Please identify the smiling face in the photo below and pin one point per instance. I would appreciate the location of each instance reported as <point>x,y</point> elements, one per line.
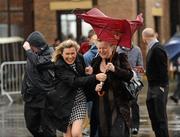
<point>105,50</point>
<point>69,55</point>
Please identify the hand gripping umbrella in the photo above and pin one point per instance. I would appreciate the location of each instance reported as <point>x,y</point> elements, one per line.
<point>115,31</point>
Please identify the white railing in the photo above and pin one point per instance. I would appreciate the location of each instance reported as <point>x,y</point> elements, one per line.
<point>11,74</point>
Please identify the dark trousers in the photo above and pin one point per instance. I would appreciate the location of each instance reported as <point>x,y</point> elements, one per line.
<point>156,104</point>
<point>94,121</point>
<point>36,122</point>
<point>134,114</point>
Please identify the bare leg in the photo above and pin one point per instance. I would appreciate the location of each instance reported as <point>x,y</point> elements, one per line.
<point>68,133</point>
<point>77,128</point>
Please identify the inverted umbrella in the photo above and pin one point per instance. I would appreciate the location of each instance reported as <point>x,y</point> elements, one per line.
<point>113,30</point>
<point>172,47</point>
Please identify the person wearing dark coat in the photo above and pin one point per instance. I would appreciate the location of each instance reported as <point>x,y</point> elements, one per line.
<point>67,105</point>
<point>176,95</point>
<point>37,83</point>
<point>112,110</point>
<point>136,61</point>
<point>157,76</point>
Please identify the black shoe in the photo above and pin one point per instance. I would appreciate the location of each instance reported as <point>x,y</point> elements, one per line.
<point>134,131</point>
<point>174,99</point>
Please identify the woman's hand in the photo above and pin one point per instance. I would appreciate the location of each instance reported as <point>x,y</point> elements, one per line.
<point>26,45</point>
<point>99,87</point>
<point>110,67</point>
<point>101,77</point>
<point>88,70</point>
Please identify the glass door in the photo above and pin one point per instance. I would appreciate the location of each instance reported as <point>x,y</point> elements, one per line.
<point>69,26</point>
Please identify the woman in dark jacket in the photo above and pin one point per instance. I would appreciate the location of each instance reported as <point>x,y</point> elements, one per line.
<point>111,110</point>
<point>68,102</point>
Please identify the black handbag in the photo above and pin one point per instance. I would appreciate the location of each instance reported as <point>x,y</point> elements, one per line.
<point>132,88</point>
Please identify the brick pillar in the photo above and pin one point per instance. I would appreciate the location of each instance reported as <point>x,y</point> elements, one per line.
<point>45,19</point>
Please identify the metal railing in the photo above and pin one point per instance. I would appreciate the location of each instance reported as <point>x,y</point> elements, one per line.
<point>11,74</point>
<point>11,49</point>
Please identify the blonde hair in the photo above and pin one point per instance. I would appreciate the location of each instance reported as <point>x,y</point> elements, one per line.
<point>60,48</point>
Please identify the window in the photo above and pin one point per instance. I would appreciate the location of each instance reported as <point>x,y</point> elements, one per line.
<point>85,28</point>
<point>157,24</point>
<point>68,26</point>
<point>11,18</point>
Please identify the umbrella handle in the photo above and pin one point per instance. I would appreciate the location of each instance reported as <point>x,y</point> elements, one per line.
<point>101,93</point>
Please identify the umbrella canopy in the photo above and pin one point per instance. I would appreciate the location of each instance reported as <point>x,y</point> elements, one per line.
<point>115,31</point>
<point>172,47</point>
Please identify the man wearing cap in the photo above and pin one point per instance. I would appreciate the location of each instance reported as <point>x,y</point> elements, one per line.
<point>37,83</point>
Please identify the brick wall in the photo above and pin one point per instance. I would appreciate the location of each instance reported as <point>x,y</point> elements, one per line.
<point>45,19</point>
<point>165,24</point>
<point>118,8</point>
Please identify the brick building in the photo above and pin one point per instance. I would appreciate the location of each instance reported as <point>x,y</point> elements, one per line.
<point>54,18</point>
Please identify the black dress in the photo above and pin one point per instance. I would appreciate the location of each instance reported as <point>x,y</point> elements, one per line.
<point>79,107</point>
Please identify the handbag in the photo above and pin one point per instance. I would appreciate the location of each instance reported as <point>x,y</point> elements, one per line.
<point>132,88</point>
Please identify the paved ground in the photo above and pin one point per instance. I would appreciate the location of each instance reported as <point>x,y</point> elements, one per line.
<point>12,119</point>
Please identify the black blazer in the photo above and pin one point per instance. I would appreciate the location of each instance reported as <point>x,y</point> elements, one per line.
<point>157,66</point>
<point>60,102</point>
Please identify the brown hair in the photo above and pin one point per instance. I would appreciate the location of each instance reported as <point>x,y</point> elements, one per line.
<point>91,33</point>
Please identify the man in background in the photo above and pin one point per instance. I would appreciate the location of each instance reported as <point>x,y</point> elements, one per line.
<point>158,81</point>
<point>176,95</point>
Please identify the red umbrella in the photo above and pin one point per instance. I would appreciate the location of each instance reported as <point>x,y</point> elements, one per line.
<point>115,31</point>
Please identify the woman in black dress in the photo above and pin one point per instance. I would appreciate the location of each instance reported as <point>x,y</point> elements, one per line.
<point>67,105</point>
<point>111,112</point>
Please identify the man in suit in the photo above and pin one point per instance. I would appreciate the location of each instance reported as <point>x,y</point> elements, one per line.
<point>157,76</point>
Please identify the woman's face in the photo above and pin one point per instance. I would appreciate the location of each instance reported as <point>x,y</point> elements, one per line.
<point>69,55</point>
<point>105,50</point>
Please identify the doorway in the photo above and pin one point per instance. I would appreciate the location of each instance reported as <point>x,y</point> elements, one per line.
<point>69,26</point>
<point>175,16</point>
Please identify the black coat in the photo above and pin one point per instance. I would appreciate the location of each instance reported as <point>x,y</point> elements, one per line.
<point>115,101</point>
<point>67,81</point>
<point>38,79</point>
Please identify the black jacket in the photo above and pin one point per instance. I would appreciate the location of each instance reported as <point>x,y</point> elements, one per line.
<point>38,79</point>
<point>115,101</point>
<point>157,66</point>
<point>61,101</point>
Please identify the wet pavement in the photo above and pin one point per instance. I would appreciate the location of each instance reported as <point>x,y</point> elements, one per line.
<point>12,120</point>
